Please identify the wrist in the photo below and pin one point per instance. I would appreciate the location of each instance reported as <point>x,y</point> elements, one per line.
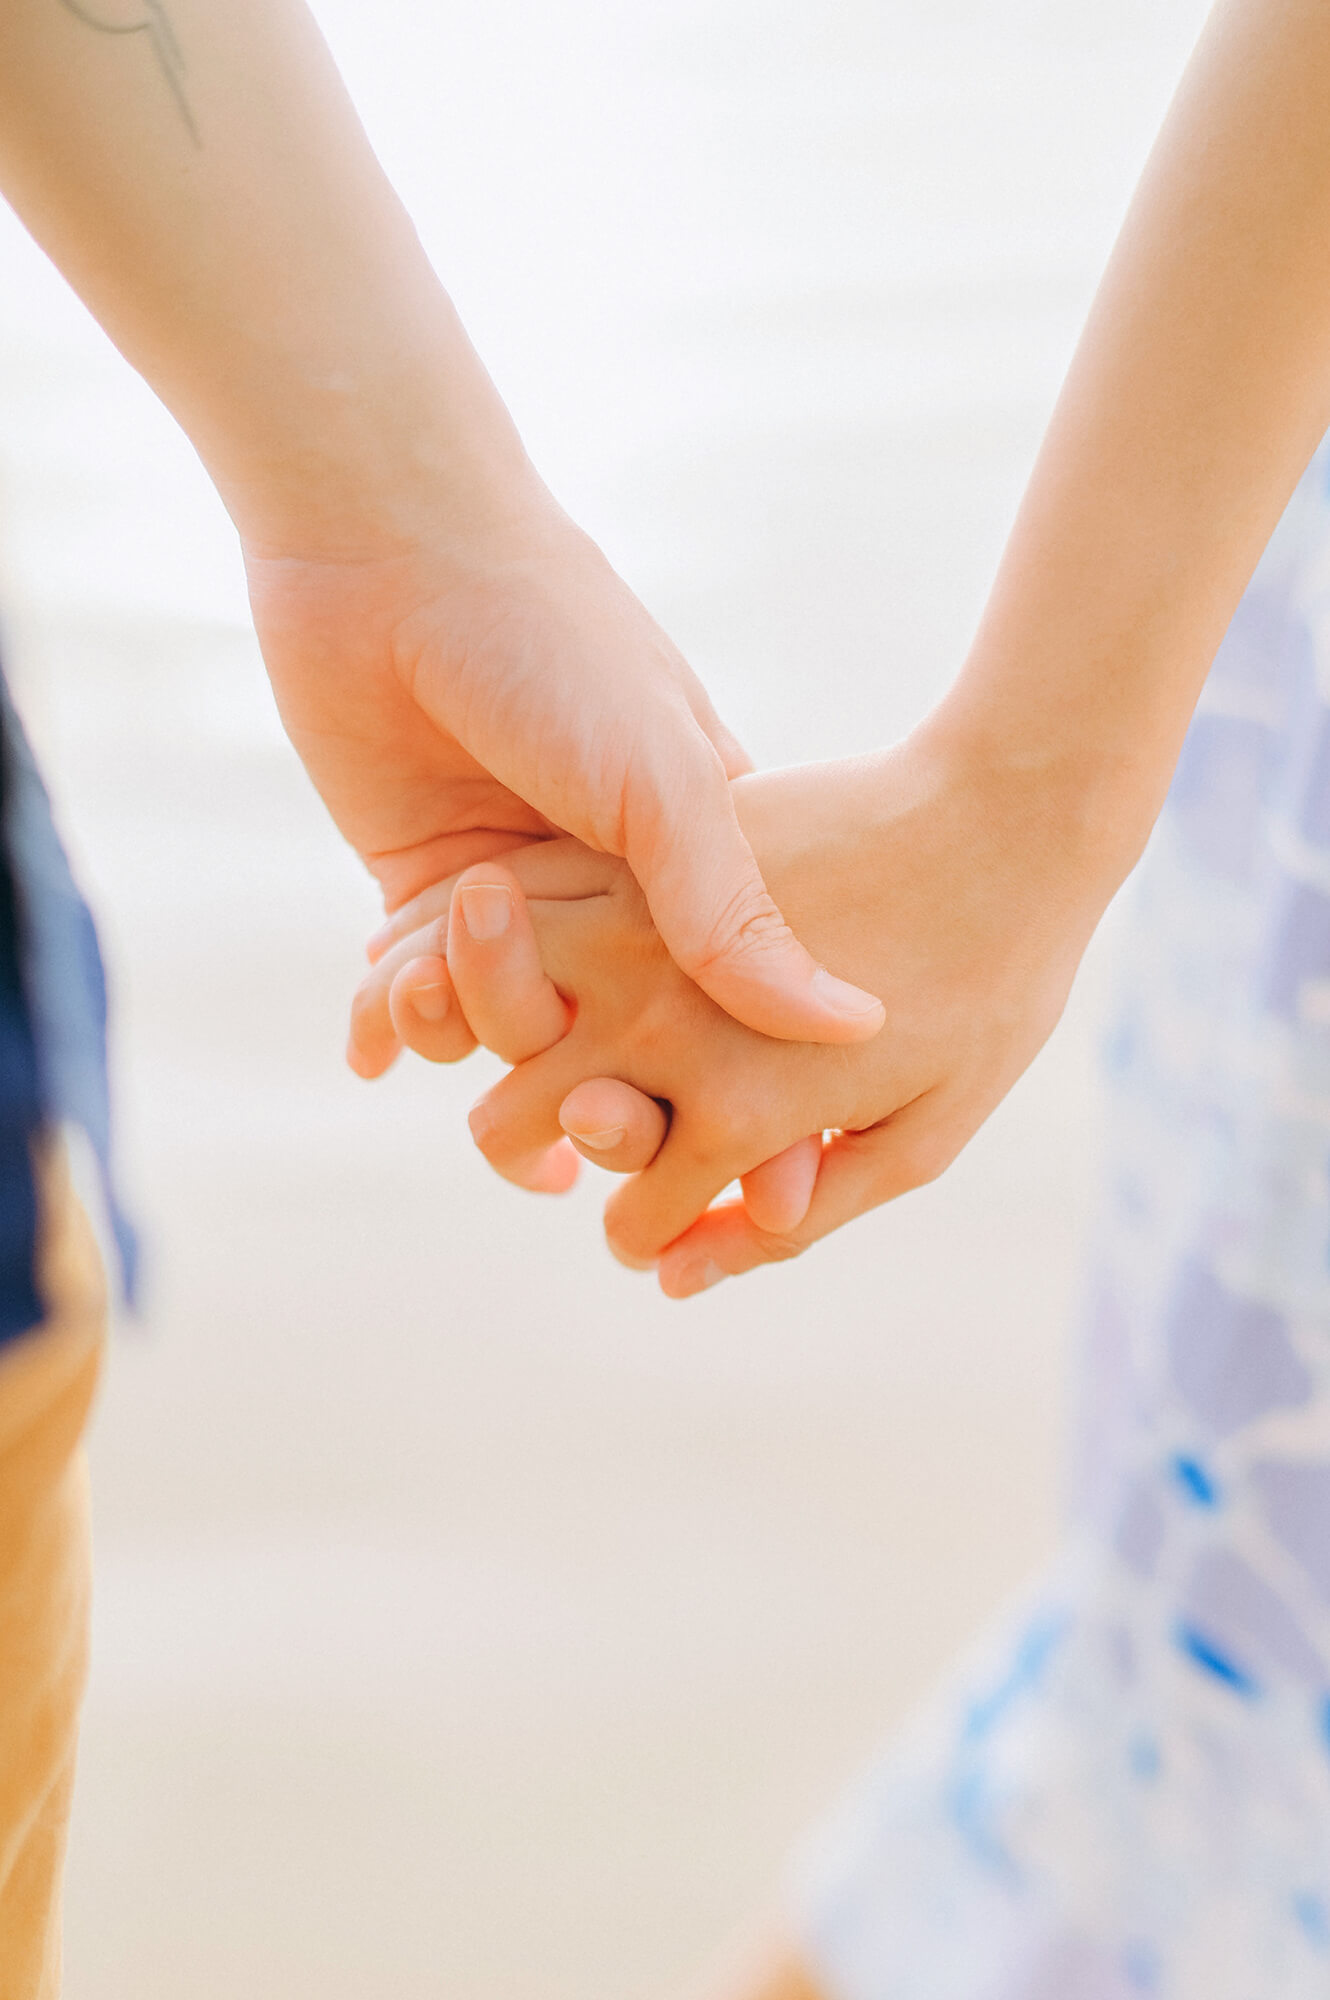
<point>1094,794</point>
<point>358,440</point>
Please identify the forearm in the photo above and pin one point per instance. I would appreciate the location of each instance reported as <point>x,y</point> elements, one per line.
<point>1196,396</point>
<point>204,183</point>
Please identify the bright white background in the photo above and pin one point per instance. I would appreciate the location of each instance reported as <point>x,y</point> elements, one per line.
<point>470,1621</point>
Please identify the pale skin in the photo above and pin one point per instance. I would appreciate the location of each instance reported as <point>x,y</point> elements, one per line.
<point>1197,394</point>
<point>964,870</point>
<point>458,666</point>
<point>201,179</point>
<point>865,855</point>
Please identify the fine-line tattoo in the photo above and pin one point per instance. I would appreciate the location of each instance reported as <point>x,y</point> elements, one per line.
<point>153,22</point>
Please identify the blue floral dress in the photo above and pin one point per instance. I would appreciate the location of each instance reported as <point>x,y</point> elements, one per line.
<point>1126,1790</point>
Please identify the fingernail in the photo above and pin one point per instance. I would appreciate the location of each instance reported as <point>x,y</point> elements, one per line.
<point>486,910</point>
<point>432,1002</point>
<point>374,945</point>
<point>600,1142</point>
<point>697,1276</point>
<point>843,998</point>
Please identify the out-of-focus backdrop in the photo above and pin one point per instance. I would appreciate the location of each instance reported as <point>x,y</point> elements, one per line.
<point>469,1620</point>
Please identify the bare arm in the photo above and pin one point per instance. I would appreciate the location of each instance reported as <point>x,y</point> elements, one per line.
<point>1198,392</point>
<point>204,183</point>
<point>969,871</point>
<point>457,665</point>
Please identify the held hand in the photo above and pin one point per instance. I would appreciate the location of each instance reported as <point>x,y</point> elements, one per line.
<point>957,886</point>
<point>460,964</point>
<point>449,707</point>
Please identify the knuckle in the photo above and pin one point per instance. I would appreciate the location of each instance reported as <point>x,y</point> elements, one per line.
<point>746,926</point>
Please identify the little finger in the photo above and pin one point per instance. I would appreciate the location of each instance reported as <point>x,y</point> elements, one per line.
<point>424,1012</point>
<point>373,1042</point>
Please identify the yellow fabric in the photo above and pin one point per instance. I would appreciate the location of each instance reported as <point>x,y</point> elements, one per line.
<point>47,1380</point>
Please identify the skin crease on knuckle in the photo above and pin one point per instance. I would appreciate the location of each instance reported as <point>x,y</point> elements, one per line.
<point>748,925</point>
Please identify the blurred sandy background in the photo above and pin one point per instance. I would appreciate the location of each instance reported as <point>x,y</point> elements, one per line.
<point>471,1622</point>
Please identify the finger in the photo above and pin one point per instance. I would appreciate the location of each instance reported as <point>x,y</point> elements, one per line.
<point>613,1125</point>
<point>859,1171</point>
<point>558,868</point>
<point>427,908</point>
<point>698,1159</point>
<point>372,1046</point>
<point>516,1123</point>
<point>706,895</point>
<point>728,748</point>
<point>374,1037</point>
<point>777,1194</point>
<point>551,1171</point>
<point>513,1007</point>
<point>424,1012</point>
<point>407,873</point>
<point>515,1126</point>
<point>551,869</point>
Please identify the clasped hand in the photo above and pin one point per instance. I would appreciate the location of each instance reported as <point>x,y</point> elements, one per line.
<point>928,876</point>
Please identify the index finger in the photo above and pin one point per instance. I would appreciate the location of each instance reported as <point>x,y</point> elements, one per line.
<point>859,1171</point>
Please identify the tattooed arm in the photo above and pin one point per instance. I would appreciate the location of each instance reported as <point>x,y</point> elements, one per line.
<point>199,175</point>
<point>155,23</point>
<point>457,665</point>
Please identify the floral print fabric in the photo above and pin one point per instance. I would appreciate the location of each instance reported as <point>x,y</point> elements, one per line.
<point>1127,1790</point>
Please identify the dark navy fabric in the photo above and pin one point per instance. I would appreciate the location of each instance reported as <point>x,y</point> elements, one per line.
<point>20,1103</point>
<point>52,1020</point>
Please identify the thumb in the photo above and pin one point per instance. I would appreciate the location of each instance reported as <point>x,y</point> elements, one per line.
<point>715,916</point>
